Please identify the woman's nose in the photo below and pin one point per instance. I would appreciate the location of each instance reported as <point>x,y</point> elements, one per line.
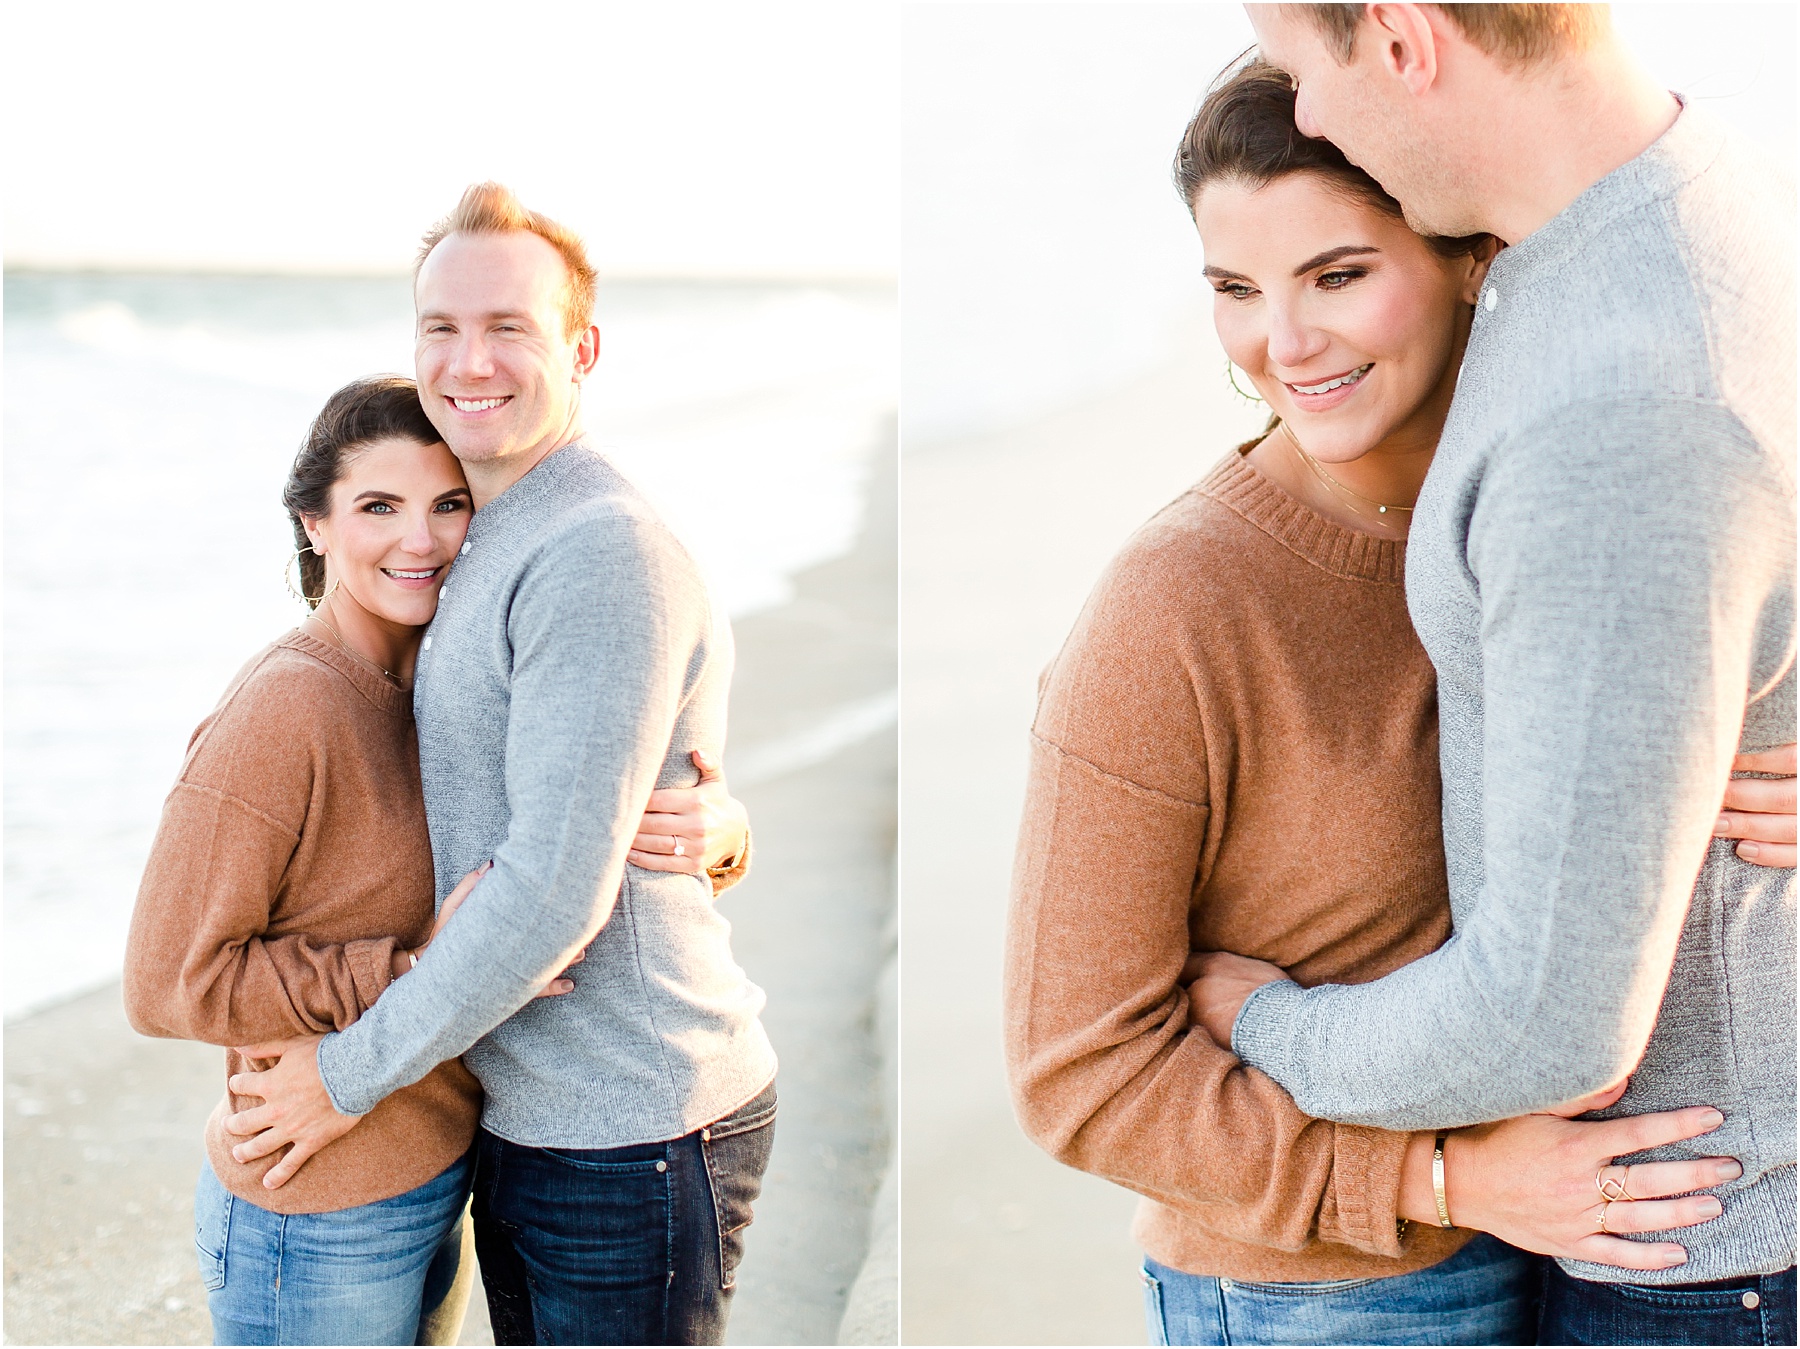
<point>417,538</point>
<point>1292,341</point>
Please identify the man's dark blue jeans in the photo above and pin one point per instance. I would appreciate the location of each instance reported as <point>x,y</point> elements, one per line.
<point>633,1245</point>
<point>1758,1309</point>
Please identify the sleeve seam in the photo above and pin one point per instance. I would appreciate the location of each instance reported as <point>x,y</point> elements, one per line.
<point>243,805</point>
<point>1127,783</point>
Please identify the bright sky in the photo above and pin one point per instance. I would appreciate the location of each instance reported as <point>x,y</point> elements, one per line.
<point>679,137</point>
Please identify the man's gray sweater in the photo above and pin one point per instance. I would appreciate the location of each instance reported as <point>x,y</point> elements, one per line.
<point>1601,567</point>
<point>574,662</point>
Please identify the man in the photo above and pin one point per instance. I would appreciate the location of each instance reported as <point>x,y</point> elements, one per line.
<point>573,664</point>
<point>1601,567</point>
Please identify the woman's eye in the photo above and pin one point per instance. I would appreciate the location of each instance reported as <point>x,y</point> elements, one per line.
<point>379,508</point>
<point>1339,279</point>
<point>1235,291</point>
<point>449,507</point>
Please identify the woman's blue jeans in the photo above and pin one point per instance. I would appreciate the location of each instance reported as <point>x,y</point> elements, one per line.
<point>1487,1293</point>
<point>365,1275</point>
<point>1757,1309</point>
<point>630,1245</point>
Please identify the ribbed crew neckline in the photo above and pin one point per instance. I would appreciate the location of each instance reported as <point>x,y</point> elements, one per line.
<point>1301,529</point>
<point>374,686</point>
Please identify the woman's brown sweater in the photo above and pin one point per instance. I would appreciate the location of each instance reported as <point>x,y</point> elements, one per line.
<point>291,862</point>
<point>1236,750</point>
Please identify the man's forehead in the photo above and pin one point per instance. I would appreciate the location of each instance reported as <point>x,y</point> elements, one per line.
<point>519,264</point>
<point>1278,32</point>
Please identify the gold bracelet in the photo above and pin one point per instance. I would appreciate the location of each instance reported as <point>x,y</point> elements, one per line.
<point>1437,1179</point>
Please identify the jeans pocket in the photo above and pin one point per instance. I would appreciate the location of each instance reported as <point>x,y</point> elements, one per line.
<point>735,1161</point>
<point>212,1227</point>
<point>1153,1308</point>
<point>1314,1288</point>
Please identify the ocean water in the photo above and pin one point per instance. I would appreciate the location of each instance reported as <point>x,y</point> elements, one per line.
<point>149,423</point>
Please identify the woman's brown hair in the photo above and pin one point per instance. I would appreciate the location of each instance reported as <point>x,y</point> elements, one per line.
<point>357,415</point>
<point>1244,132</point>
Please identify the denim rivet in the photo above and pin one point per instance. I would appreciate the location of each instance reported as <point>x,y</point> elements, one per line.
<point>1752,1301</point>
<point>706,1135</point>
<point>662,1166</point>
<point>1225,1284</point>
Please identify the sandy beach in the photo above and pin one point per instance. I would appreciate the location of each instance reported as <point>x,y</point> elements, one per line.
<point>1005,534</point>
<point>102,1127</point>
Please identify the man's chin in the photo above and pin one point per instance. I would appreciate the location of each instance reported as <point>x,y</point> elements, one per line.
<point>479,447</point>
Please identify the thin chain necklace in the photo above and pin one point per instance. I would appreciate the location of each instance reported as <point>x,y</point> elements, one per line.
<point>347,649</point>
<point>1333,485</point>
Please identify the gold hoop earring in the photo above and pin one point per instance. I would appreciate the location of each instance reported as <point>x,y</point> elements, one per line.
<point>287,578</point>
<point>1231,379</point>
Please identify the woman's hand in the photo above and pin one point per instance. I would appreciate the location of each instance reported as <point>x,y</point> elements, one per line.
<point>1219,983</point>
<point>1531,1181</point>
<point>405,960</point>
<point>1761,810</point>
<point>691,829</point>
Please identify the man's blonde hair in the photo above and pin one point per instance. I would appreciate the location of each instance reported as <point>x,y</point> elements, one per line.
<point>490,208</point>
<point>1517,35</point>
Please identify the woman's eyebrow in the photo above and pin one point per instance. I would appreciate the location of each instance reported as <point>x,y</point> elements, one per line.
<point>453,492</point>
<point>1219,273</point>
<point>376,494</point>
<point>1334,255</point>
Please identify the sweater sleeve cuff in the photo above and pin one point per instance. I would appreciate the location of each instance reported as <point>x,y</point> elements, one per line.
<point>345,1098</point>
<point>371,968</point>
<point>724,879</point>
<point>1365,1180</point>
<point>1263,1034</point>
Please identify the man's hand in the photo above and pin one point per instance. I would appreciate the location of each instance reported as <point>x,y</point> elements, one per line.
<point>296,1112</point>
<point>1218,985</point>
<point>1761,810</point>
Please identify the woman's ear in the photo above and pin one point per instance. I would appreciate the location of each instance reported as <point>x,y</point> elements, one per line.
<point>1479,261</point>
<point>312,526</point>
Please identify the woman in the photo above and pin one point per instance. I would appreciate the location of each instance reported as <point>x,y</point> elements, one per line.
<point>1269,786</point>
<point>291,882</point>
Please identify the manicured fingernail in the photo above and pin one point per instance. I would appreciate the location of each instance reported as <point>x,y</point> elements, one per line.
<point>1712,1119</point>
<point>1749,851</point>
<point>1723,826</point>
<point>1710,1207</point>
<point>1673,1255</point>
<point>1728,1170</point>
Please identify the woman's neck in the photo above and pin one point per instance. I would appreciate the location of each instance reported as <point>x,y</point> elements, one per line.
<point>1372,494</point>
<point>392,648</point>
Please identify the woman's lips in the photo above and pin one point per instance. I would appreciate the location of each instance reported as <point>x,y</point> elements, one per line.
<point>413,578</point>
<point>1323,402</point>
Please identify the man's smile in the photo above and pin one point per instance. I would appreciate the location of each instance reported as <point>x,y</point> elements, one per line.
<point>477,404</point>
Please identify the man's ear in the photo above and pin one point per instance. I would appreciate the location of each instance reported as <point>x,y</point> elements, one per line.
<point>1401,42</point>
<point>587,352</point>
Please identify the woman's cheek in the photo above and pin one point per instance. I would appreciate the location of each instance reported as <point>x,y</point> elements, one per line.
<point>1241,338</point>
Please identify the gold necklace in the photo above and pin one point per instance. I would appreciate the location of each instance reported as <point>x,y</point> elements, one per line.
<point>1332,484</point>
<point>347,649</point>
